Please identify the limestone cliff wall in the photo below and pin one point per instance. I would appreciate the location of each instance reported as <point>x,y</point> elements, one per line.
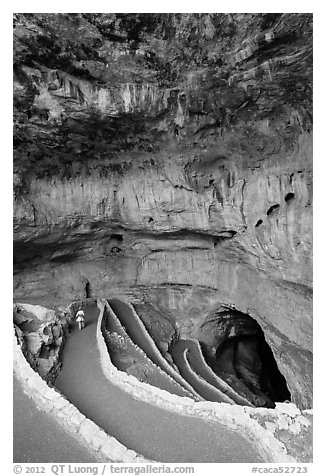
<point>169,161</point>
<point>183,220</point>
<point>265,209</point>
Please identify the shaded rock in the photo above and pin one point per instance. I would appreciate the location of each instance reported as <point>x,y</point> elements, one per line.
<point>41,341</point>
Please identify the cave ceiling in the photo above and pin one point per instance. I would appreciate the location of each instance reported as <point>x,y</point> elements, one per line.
<point>89,87</point>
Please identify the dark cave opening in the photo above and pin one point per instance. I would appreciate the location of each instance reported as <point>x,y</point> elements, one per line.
<point>88,290</point>
<point>116,238</point>
<point>251,360</point>
<point>253,363</point>
<point>116,242</point>
<point>245,360</point>
<point>289,197</point>
<point>273,209</point>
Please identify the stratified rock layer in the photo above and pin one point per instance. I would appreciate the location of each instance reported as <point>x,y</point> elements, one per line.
<point>190,187</point>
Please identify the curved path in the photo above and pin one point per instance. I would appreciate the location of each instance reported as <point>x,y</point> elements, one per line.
<point>154,374</point>
<point>179,353</point>
<point>136,329</point>
<point>39,438</point>
<point>151,431</point>
<point>197,363</point>
<point>191,364</point>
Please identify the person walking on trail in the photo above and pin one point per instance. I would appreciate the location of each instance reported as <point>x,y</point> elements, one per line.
<point>80,319</point>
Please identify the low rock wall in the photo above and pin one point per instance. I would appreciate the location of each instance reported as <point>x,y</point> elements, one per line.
<point>166,377</point>
<point>202,385</point>
<point>226,389</point>
<point>160,359</point>
<point>161,364</point>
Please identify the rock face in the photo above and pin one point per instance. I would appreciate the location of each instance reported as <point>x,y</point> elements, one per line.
<point>173,170</point>
<point>41,335</point>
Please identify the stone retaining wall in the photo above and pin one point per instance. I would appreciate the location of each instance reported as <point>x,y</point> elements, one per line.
<point>169,382</point>
<point>161,360</point>
<point>203,383</point>
<point>49,400</point>
<point>242,419</point>
<point>169,372</point>
<point>223,386</point>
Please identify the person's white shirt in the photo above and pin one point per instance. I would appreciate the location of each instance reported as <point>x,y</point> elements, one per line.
<point>80,315</point>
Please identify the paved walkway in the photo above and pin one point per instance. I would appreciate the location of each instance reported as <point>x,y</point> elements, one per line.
<point>38,437</point>
<point>153,432</point>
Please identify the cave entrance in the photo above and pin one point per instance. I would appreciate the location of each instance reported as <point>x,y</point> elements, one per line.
<point>245,360</point>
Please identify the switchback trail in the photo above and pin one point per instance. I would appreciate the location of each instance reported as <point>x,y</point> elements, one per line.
<point>194,359</point>
<point>147,429</point>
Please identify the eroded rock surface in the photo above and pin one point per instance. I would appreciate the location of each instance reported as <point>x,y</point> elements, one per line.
<point>41,335</point>
<point>168,157</point>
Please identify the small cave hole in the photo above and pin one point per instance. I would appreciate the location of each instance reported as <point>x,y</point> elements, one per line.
<point>226,236</point>
<point>211,182</point>
<point>259,222</point>
<point>273,209</point>
<point>88,290</point>
<point>289,197</point>
<point>45,352</point>
<point>117,238</point>
<point>150,220</point>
